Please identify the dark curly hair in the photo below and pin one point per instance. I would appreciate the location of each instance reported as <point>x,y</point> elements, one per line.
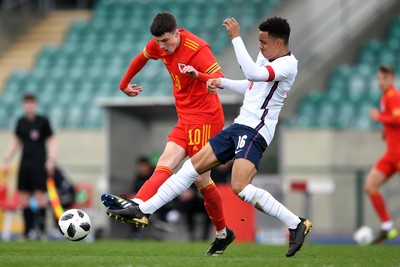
<point>163,22</point>
<point>276,27</point>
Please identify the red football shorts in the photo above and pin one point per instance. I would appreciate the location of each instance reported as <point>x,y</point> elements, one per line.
<point>192,137</point>
<point>388,164</point>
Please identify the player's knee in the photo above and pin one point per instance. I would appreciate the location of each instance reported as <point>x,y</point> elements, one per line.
<point>238,186</point>
<point>370,188</point>
<point>203,181</point>
<point>163,160</point>
<point>170,160</point>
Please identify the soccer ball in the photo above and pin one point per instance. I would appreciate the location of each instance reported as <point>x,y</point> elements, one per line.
<point>74,224</point>
<point>364,236</point>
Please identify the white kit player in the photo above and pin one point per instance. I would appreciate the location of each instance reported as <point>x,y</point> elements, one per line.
<point>267,83</point>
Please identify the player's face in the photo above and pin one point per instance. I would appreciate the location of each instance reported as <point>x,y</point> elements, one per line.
<point>385,81</point>
<point>30,107</point>
<point>169,41</point>
<point>269,45</point>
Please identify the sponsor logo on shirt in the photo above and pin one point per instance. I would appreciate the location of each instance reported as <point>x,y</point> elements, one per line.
<point>34,134</point>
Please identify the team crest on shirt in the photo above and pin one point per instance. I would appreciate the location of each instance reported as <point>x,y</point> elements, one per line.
<point>34,134</point>
<point>181,66</point>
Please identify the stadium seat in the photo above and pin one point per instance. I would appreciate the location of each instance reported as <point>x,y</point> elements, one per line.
<point>351,90</point>
<point>96,53</point>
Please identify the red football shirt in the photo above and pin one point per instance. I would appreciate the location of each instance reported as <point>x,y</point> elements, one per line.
<point>390,118</point>
<point>193,103</point>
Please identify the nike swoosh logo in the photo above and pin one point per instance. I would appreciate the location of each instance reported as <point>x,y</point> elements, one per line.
<point>237,151</point>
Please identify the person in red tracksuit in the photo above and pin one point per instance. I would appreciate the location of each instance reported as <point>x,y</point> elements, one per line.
<point>389,163</point>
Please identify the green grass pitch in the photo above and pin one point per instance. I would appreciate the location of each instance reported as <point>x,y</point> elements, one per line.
<point>163,254</point>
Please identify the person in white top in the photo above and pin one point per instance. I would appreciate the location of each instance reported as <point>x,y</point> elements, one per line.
<point>265,88</point>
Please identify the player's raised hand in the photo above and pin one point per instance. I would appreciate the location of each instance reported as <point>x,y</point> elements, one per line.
<point>232,27</point>
<point>132,90</point>
<point>190,71</point>
<point>212,85</point>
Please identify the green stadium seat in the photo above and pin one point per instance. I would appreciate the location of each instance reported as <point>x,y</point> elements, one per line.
<point>74,117</point>
<point>394,30</point>
<point>95,54</point>
<point>93,118</point>
<point>324,121</point>
<point>387,57</point>
<point>374,46</point>
<point>352,91</point>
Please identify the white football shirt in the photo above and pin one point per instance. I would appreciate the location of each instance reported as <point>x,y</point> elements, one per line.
<point>263,100</point>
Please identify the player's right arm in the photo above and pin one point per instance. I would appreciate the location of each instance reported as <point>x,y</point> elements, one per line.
<point>136,65</point>
<point>12,148</point>
<point>237,86</point>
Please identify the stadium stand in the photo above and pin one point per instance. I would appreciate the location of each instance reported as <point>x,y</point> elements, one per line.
<point>351,91</point>
<point>95,54</point>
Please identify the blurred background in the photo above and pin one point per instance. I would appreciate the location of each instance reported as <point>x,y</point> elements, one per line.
<point>72,55</point>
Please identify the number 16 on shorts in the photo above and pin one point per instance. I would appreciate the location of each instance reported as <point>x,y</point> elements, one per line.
<point>241,143</point>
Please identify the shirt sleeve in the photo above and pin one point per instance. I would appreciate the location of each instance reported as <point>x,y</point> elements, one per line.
<point>206,64</point>
<point>279,70</point>
<point>17,131</point>
<point>276,71</point>
<point>393,105</point>
<point>47,130</point>
<point>152,51</point>
<point>237,86</point>
<point>135,66</point>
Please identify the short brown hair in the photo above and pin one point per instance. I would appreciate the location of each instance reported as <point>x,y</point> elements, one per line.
<point>163,22</point>
<point>386,69</point>
<point>29,97</point>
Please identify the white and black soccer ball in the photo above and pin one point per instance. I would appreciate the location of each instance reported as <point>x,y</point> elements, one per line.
<point>364,236</point>
<point>74,224</point>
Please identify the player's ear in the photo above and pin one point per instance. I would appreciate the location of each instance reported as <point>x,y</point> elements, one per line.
<point>177,33</point>
<point>279,42</point>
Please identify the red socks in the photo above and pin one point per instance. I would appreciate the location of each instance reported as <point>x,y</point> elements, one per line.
<point>379,205</point>
<point>150,187</point>
<point>213,204</point>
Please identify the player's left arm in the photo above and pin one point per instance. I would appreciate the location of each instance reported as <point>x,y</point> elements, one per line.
<point>206,66</point>
<point>52,148</point>
<point>237,86</point>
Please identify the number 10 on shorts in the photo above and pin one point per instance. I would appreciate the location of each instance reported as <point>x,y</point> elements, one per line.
<point>194,137</point>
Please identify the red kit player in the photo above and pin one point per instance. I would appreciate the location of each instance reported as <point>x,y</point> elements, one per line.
<point>389,163</point>
<point>190,63</point>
